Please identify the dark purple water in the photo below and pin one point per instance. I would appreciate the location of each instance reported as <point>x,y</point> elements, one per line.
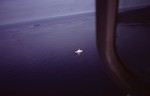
<point>133,46</point>
<point>40,60</point>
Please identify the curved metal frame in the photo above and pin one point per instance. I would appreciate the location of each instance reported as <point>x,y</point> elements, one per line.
<point>106,12</point>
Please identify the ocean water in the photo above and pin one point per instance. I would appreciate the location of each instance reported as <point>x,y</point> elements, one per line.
<point>41,60</point>
<point>133,46</point>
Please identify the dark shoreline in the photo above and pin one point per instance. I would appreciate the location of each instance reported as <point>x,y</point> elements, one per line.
<point>138,15</point>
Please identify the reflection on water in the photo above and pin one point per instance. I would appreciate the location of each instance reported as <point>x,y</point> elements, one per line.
<point>41,60</point>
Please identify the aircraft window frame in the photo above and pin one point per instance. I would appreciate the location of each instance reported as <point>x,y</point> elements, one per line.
<point>106,15</point>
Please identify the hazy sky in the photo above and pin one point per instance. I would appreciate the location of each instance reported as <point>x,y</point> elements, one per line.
<point>133,3</point>
<point>12,11</point>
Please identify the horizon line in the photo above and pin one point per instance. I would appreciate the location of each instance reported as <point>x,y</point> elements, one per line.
<point>48,17</point>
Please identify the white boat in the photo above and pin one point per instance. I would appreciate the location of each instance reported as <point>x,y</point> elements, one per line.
<point>78,51</point>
